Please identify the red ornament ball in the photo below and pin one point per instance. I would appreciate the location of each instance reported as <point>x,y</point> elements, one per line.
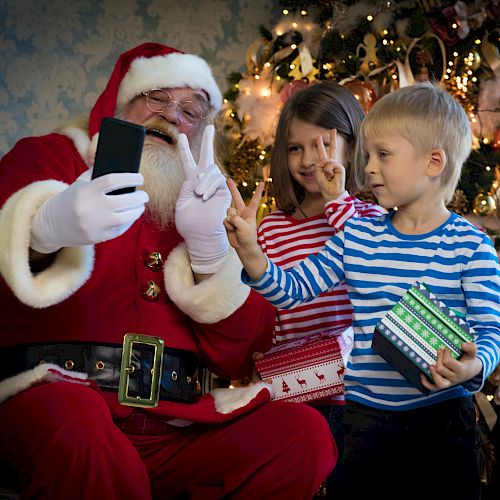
<point>363,92</point>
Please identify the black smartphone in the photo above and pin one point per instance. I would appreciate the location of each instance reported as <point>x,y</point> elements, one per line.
<point>119,149</point>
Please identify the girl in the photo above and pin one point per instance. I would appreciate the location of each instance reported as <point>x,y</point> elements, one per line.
<point>305,220</point>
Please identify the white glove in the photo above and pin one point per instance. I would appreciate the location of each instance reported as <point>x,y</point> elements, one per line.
<point>202,206</point>
<point>83,214</point>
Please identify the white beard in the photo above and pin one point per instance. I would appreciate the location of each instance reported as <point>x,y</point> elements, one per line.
<point>163,177</point>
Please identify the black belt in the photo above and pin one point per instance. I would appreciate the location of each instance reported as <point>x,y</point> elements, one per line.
<point>141,370</point>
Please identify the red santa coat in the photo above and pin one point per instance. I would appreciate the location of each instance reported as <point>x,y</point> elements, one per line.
<point>94,293</point>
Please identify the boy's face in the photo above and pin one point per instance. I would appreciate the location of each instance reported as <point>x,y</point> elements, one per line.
<point>395,172</point>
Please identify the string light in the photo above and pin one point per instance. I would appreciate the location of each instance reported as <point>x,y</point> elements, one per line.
<point>459,79</point>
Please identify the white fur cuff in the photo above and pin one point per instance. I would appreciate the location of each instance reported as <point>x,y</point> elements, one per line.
<point>47,372</point>
<point>229,400</point>
<point>211,300</point>
<point>71,268</point>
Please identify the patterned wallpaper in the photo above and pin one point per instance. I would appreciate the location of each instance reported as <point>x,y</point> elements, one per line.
<point>56,56</point>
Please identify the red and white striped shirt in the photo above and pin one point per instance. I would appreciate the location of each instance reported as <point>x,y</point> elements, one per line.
<point>287,241</point>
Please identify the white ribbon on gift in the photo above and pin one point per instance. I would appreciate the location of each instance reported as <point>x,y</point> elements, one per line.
<point>306,60</point>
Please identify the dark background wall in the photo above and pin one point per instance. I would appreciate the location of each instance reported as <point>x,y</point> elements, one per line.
<point>56,56</point>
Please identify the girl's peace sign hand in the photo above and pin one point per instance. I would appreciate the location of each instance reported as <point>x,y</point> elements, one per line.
<point>241,228</point>
<point>241,221</point>
<point>330,173</point>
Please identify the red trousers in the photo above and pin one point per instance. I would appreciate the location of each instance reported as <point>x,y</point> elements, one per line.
<point>62,439</point>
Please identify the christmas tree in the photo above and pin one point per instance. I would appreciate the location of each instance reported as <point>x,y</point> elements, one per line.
<point>373,48</point>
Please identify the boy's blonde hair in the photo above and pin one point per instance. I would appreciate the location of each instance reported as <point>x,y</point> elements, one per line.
<point>428,118</point>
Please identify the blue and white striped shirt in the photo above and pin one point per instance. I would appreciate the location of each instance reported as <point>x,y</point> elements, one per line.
<point>379,264</point>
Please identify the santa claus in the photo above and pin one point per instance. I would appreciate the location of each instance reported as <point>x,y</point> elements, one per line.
<point>88,414</point>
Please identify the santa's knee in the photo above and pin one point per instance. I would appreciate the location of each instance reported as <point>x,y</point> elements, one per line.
<point>314,439</point>
<point>66,435</point>
<point>65,420</point>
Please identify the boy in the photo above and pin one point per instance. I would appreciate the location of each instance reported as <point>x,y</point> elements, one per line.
<point>400,442</point>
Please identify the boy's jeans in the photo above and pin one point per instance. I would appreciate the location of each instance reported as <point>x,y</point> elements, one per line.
<point>432,452</point>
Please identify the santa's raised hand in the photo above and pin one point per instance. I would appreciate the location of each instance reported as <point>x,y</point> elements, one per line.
<point>202,205</point>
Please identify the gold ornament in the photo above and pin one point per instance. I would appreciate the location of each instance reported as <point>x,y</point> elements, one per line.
<point>484,204</point>
<point>296,72</point>
<point>474,60</point>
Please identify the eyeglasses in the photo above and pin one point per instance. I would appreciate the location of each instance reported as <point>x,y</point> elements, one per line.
<point>158,100</point>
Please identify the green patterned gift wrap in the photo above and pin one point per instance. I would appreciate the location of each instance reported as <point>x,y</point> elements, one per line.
<point>410,334</point>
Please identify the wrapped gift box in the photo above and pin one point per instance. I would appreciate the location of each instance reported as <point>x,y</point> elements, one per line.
<point>410,334</point>
<point>305,369</point>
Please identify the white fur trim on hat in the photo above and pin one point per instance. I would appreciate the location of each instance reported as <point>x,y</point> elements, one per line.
<point>212,300</point>
<point>71,268</point>
<point>169,71</point>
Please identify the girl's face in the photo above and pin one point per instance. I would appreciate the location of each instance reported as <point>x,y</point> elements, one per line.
<point>303,152</point>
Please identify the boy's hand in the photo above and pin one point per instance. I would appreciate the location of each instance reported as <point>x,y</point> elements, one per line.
<point>330,173</point>
<point>241,228</point>
<point>449,371</point>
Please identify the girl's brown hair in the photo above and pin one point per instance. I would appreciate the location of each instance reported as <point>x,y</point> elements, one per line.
<point>327,105</point>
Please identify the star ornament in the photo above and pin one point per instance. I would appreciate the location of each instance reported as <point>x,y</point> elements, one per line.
<point>296,71</point>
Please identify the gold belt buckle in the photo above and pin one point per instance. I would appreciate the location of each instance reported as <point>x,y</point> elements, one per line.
<point>127,369</point>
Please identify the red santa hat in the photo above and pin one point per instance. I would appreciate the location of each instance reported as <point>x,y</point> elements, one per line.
<point>149,66</point>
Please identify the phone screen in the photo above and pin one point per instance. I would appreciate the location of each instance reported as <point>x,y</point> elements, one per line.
<point>119,149</point>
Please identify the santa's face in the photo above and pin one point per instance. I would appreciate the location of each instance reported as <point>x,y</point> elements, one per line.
<point>160,162</point>
<point>138,111</point>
